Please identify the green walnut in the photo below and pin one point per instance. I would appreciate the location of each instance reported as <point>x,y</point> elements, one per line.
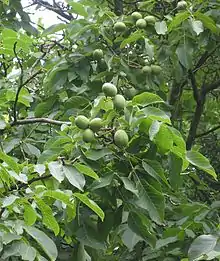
<point>82,122</point>
<point>88,136</point>
<point>109,89</point>
<point>136,15</point>
<point>98,54</point>
<point>119,27</point>
<point>156,69</point>
<point>147,69</point>
<point>130,92</point>
<point>119,102</point>
<point>121,138</point>
<point>141,24</point>
<point>95,124</point>
<point>150,19</point>
<point>181,5</point>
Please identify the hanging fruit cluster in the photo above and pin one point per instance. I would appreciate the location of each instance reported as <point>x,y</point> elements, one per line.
<point>91,127</point>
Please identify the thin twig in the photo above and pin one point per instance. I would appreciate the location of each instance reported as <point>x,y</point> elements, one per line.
<point>208,132</point>
<point>25,185</point>
<point>39,120</point>
<point>20,82</point>
<point>204,58</point>
<point>212,86</point>
<point>55,9</point>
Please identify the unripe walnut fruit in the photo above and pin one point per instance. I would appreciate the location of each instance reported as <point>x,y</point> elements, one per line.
<point>121,138</point>
<point>82,122</point>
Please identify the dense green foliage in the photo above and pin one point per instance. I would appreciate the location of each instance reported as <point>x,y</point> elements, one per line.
<point>107,122</point>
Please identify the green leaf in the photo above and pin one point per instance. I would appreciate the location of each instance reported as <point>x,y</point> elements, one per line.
<point>19,249</point>
<point>58,195</point>
<point>44,241</point>
<point>170,235</point>
<point>154,128</point>
<point>7,238</point>
<point>25,97</point>
<point>97,154</point>
<point>77,8</point>
<point>31,150</point>
<point>62,196</point>
<point>130,239</point>
<point>48,216</point>
<point>198,160</point>
<point>86,170</point>
<point>156,114</point>
<point>76,102</point>
<point>102,182</point>
<point>90,237</point>
<point>149,48</point>
<point>19,177</point>
<point>164,139</point>
<point>153,168</point>
<point>81,254</point>
<point>44,107</point>
<point>146,98</point>
<point>153,201</point>
<point>208,22</point>
<point>202,246</point>
<point>53,29</point>
<point>41,258</point>
<point>184,54</point>
<point>74,177</point>
<point>178,19</point>
<point>129,185</point>
<point>161,27</point>
<point>8,201</point>
<point>140,225</point>
<point>56,170</point>
<point>30,214</point>
<point>40,169</point>
<point>175,168</point>
<point>91,204</point>
<point>197,26</point>
<point>10,162</point>
<point>132,38</point>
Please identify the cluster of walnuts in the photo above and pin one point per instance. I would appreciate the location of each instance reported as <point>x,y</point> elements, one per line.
<point>90,127</point>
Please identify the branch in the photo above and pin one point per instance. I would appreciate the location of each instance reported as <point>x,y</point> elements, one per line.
<point>39,120</point>
<point>194,86</point>
<point>20,82</point>
<point>25,185</point>
<point>55,9</point>
<point>133,3</point>
<point>212,86</point>
<point>208,132</point>
<point>176,90</point>
<point>200,102</point>
<point>204,58</point>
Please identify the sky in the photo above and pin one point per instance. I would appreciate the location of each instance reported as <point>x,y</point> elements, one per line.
<point>49,18</point>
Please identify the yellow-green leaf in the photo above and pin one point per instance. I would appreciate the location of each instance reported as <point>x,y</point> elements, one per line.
<point>48,216</point>
<point>86,170</point>
<point>91,204</point>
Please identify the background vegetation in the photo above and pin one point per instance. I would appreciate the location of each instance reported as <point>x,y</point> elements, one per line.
<point>137,183</point>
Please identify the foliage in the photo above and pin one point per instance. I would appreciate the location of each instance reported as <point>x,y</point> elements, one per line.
<point>131,184</point>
